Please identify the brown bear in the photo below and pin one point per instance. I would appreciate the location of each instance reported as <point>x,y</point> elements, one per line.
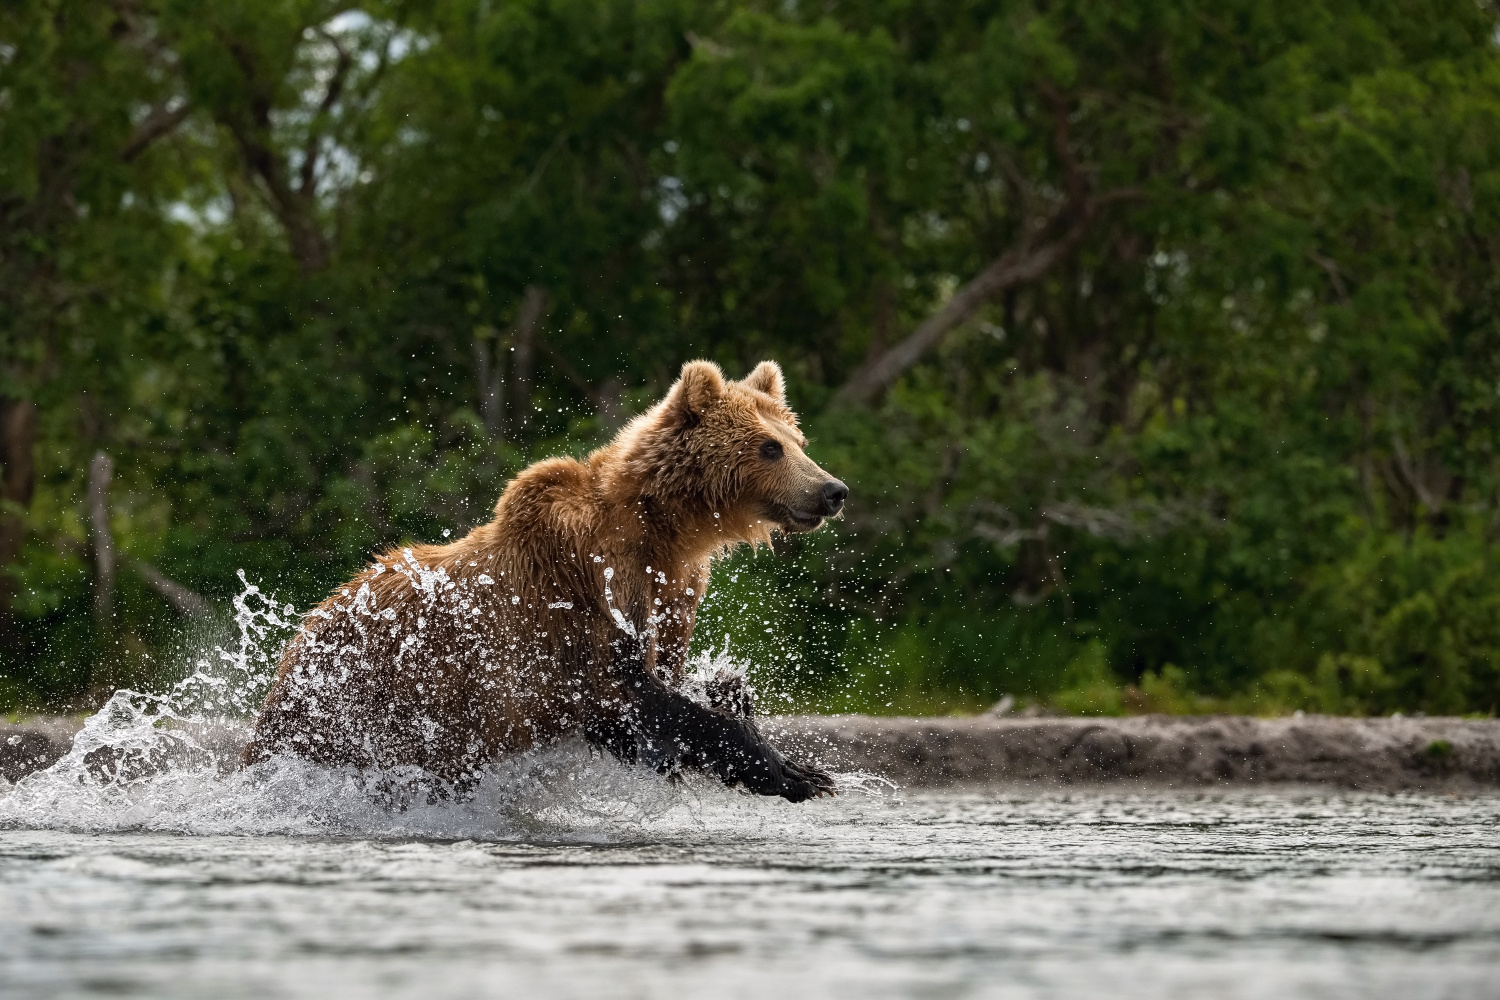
<point>570,612</point>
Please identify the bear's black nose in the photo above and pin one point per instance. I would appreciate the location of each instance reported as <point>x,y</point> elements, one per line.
<point>834,495</point>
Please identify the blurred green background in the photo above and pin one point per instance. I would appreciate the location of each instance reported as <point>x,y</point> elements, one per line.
<point>1159,340</point>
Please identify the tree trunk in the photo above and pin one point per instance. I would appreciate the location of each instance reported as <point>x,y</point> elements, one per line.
<point>102,541</point>
<point>489,372</point>
<point>17,483</point>
<point>528,320</point>
<point>294,205</point>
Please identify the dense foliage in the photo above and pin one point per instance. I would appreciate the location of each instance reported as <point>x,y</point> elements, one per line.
<point>1159,340</point>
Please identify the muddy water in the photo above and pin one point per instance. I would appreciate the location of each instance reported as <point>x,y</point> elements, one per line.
<point>596,882</point>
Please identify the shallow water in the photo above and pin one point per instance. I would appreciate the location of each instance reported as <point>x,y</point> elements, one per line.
<point>597,882</point>
<point>145,863</point>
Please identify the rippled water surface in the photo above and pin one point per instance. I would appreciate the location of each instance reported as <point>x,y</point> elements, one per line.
<point>598,883</point>
<point>147,863</point>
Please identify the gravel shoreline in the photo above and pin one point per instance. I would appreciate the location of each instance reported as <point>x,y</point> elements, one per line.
<point>1431,754</point>
<point>1384,754</point>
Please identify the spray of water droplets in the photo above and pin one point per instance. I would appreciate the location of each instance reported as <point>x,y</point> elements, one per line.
<point>170,762</point>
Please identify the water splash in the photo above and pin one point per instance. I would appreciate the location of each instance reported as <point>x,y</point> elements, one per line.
<point>169,762</point>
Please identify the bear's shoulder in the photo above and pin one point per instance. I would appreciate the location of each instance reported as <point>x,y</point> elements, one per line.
<point>557,492</point>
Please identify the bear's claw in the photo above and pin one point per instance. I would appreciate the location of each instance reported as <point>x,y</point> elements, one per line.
<point>802,782</point>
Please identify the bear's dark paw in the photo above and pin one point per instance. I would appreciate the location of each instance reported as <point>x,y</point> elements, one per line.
<point>728,692</point>
<point>800,782</point>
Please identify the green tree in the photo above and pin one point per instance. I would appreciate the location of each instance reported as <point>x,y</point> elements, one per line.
<point>1157,339</point>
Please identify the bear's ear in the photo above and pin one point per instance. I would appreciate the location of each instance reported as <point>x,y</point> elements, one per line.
<point>700,385</point>
<point>767,378</point>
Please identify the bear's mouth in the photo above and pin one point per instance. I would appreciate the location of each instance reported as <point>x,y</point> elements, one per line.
<point>793,521</point>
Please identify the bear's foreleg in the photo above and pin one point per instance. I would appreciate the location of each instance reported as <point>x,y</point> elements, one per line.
<point>666,729</point>
<point>728,692</point>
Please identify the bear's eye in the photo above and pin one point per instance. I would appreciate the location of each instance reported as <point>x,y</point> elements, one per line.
<point>770,450</point>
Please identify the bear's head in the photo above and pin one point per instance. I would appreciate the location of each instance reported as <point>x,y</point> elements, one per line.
<point>734,451</point>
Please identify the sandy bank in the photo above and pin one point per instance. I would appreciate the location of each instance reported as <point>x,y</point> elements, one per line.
<point>1372,754</point>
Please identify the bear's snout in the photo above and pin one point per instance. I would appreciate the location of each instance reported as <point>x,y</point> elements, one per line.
<point>834,495</point>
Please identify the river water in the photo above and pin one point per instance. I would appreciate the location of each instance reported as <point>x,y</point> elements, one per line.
<point>146,863</point>
<point>574,877</point>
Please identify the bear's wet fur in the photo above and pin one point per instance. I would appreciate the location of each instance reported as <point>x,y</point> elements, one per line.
<point>570,612</point>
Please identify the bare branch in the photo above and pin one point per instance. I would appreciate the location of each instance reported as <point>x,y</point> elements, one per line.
<point>567,368</point>
<point>1429,499</point>
<point>707,45</point>
<point>137,32</point>
<point>185,600</point>
<point>522,193</point>
<point>1334,272</point>
<point>1017,266</point>
<point>607,398</point>
<point>161,121</point>
<point>1132,520</point>
<point>1004,538</point>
